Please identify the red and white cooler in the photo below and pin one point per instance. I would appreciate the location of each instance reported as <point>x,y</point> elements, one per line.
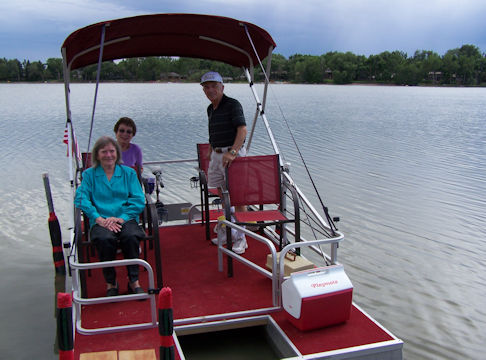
<point>319,297</point>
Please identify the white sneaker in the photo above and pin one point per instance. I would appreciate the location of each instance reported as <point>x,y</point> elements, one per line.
<point>215,241</point>
<point>240,246</point>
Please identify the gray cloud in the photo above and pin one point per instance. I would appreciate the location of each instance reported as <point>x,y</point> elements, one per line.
<point>35,29</point>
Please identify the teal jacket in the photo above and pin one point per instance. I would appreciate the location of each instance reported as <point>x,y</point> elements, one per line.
<point>121,197</point>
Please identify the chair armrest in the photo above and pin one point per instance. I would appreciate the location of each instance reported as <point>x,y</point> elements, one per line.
<point>202,178</point>
<point>144,215</point>
<point>153,224</point>
<point>152,220</point>
<point>78,227</point>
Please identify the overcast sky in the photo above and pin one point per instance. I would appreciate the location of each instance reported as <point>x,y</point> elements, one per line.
<point>35,29</point>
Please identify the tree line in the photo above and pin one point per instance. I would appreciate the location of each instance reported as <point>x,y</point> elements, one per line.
<point>461,66</point>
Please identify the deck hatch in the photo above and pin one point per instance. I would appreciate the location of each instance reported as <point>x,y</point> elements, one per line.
<point>257,338</point>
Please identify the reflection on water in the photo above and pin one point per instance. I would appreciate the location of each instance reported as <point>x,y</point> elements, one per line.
<point>59,287</point>
<point>403,167</point>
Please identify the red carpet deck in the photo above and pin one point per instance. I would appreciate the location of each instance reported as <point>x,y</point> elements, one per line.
<point>190,269</point>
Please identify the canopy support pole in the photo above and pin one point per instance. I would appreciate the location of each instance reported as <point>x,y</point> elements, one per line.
<point>98,71</point>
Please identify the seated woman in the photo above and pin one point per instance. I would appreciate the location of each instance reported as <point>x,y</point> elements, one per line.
<point>112,198</point>
<point>125,129</point>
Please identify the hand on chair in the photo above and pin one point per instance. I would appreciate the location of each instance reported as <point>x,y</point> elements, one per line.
<point>227,159</point>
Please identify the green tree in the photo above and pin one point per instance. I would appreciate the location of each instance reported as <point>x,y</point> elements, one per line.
<point>393,61</point>
<point>408,73</point>
<point>165,64</point>
<point>376,65</point>
<point>280,68</point>
<point>470,63</point>
<point>306,69</point>
<point>362,70</point>
<point>187,65</point>
<point>148,69</point>
<point>54,69</point>
<point>428,64</point>
<point>108,71</point>
<point>297,67</point>
<point>33,71</point>
<point>462,65</point>
<point>3,70</point>
<point>482,70</point>
<point>450,66</point>
<point>343,66</point>
<point>129,68</point>
<point>313,70</point>
<point>14,70</point>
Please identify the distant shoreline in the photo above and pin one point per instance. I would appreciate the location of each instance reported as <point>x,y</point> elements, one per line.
<point>360,83</point>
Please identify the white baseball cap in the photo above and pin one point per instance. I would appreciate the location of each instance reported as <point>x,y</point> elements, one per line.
<point>211,76</point>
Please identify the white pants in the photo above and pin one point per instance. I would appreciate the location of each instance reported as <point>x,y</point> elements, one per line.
<point>216,169</point>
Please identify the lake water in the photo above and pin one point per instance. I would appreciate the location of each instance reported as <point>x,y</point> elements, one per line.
<point>403,167</point>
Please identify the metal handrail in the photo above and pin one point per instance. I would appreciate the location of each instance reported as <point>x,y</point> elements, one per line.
<point>78,300</point>
<point>300,244</point>
<point>277,274</point>
<point>168,161</point>
<point>272,275</point>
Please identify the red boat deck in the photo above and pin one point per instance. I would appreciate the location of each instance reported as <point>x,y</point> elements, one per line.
<point>190,269</point>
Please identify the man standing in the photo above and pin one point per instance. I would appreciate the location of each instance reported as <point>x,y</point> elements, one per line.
<point>227,133</point>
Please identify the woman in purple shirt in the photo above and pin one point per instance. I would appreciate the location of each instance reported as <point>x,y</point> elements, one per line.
<point>125,129</point>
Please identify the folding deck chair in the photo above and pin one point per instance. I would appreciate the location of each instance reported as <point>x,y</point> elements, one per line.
<point>257,181</point>
<point>148,220</point>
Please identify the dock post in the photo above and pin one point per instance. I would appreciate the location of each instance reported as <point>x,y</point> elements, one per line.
<point>65,326</point>
<point>166,324</point>
<point>54,230</point>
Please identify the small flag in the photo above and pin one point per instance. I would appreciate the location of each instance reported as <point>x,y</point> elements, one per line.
<point>75,148</point>
<point>66,135</point>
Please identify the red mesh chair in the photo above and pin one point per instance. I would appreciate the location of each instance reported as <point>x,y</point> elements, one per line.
<point>206,192</point>
<point>150,225</point>
<point>148,220</point>
<point>202,157</point>
<point>86,158</point>
<point>256,180</point>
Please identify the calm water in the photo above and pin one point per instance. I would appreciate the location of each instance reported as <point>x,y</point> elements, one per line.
<point>404,168</point>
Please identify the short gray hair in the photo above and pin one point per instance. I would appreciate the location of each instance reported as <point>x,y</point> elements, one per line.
<point>101,143</point>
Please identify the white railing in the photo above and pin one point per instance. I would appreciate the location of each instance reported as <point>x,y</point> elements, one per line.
<point>277,273</point>
<point>79,301</point>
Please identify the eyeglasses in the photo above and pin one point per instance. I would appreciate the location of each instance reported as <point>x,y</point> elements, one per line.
<point>122,131</point>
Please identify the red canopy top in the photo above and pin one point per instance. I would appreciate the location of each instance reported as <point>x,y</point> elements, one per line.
<point>188,35</point>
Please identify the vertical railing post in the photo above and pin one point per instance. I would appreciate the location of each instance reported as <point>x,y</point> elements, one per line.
<point>65,326</point>
<point>166,324</point>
